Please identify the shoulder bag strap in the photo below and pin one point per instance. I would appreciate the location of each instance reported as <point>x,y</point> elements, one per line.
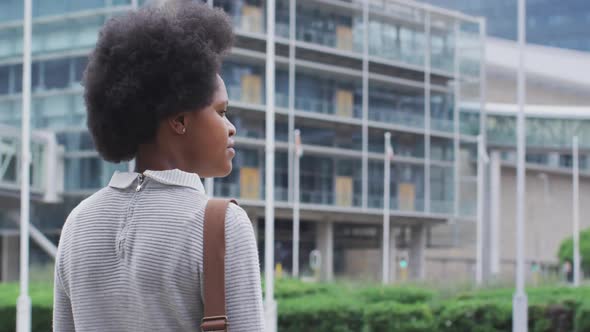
<point>215,317</point>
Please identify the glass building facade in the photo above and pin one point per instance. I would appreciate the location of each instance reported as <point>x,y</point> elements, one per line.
<point>549,22</point>
<point>348,91</point>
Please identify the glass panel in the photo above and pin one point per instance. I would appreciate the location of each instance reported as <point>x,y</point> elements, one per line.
<point>51,111</point>
<point>9,148</point>
<point>75,141</point>
<point>469,49</point>
<point>348,182</point>
<point>282,88</point>
<point>252,124</point>
<point>49,7</point>
<point>406,186</point>
<point>375,184</point>
<point>281,176</point>
<point>335,96</point>
<point>10,112</point>
<point>469,122</point>
<point>442,43</point>
<point>441,148</point>
<point>441,189</point>
<point>17,77</point>
<point>501,130</point>
<point>11,42</point>
<point>66,34</point>
<point>57,74</point>
<point>404,144</point>
<point>282,18</point>
<point>244,82</point>
<point>395,39</point>
<point>329,134</point>
<point>5,76</point>
<point>247,15</point>
<point>396,105</point>
<point>441,111</point>
<point>317,179</point>
<point>89,173</point>
<point>79,67</point>
<point>11,10</point>
<point>330,26</point>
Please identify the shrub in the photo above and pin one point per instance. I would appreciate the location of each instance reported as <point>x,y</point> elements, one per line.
<point>394,317</point>
<point>320,313</point>
<point>408,295</point>
<point>582,318</point>
<point>475,316</point>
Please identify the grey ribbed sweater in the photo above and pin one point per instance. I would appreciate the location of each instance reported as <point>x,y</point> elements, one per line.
<point>131,259</point>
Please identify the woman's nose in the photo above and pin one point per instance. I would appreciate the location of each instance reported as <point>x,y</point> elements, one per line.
<point>232,128</point>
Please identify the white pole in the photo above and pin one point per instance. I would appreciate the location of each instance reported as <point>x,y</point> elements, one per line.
<point>576,210</point>
<point>23,323</point>
<point>495,209</point>
<point>520,302</point>
<point>480,209</point>
<point>209,182</point>
<point>296,197</point>
<point>269,236</point>
<point>386,200</point>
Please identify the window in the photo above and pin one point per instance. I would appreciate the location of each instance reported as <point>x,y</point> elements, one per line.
<point>57,74</point>
<point>4,79</point>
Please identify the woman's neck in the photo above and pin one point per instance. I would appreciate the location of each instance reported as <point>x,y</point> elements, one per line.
<point>154,157</point>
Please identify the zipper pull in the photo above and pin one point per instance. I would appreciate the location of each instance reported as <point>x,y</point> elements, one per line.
<point>139,182</point>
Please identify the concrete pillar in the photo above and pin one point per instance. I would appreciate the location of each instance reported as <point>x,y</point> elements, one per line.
<point>325,244</point>
<point>416,252</point>
<point>10,258</point>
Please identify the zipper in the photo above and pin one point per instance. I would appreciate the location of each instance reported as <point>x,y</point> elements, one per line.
<point>121,237</point>
<point>140,179</point>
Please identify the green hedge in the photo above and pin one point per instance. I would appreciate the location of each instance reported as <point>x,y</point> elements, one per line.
<point>320,313</point>
<point>393,317</point>
<point>475,316</point>
<point>582,320</point>
<point>42,304</point>
<point>399,294</point>
<point>343,308</point>
<point>293,288</point>
<point>558,317</point>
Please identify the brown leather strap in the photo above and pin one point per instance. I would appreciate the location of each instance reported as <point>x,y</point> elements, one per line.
<point>215,317</point>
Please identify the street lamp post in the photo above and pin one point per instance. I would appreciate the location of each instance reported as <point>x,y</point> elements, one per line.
<point>576,210</point>
<point>386,216</point>
<point>520,302</point>
<point>270,305</point>
<point>23,323</point>
<point>296,198</point>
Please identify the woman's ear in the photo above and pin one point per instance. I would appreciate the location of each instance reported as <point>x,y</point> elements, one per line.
<point>178,123</point>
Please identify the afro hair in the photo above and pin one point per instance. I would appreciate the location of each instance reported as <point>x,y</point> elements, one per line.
<point>150,64</point>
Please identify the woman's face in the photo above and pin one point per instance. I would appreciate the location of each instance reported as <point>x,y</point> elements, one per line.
<point>209,142</point>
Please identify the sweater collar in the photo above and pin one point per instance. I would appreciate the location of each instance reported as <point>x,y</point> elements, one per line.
<point>173,177</point>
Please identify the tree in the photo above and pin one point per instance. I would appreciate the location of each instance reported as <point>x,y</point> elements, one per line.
<point>566,250</point>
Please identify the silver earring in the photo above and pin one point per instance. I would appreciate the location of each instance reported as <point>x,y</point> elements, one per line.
<point>183,130</point>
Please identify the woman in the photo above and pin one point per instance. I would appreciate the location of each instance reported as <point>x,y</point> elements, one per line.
<point>130,256</point>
